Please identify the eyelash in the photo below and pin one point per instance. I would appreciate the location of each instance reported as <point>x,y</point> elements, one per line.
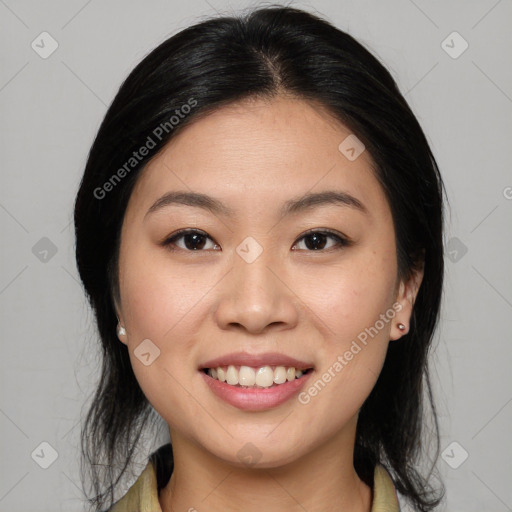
<point>342,241</point>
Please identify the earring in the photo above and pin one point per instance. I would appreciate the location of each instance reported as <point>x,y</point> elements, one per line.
<point>121,331</point>
<point>401,327</point>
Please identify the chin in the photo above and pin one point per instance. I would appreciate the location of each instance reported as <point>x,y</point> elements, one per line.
<point>259,451</point>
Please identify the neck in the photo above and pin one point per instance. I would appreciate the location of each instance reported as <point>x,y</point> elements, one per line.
<point>322,480</point>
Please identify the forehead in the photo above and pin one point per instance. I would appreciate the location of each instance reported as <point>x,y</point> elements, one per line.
<point>259,153</point>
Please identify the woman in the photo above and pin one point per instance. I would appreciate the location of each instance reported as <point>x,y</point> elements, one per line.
<point>259,233</point>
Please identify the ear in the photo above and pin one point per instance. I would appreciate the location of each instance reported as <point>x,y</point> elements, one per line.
<point>406,296</point>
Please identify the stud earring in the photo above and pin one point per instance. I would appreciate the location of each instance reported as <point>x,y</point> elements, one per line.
<point>121,331</point>
<point>401,327</point>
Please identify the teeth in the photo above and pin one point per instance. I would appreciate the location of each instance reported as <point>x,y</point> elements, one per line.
<point>232,376</point>
<point>280,375</point>
<point>246,376</point>
<point>263,377</point>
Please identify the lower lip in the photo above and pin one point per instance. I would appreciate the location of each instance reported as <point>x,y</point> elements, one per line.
<point>256,399</point>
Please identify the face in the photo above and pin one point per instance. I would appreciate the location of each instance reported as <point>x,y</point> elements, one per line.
<point>314,280</point>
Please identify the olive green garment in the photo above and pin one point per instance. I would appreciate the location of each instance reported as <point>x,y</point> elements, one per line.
<point>143,494</point>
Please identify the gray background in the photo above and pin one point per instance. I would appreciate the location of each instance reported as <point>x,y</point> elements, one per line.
<point>50,110</point>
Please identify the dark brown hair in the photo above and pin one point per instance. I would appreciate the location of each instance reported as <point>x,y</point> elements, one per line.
<point>217,62</point>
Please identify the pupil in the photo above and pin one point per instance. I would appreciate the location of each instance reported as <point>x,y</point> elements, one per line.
<point>194,245</point>
<point>316,237</point>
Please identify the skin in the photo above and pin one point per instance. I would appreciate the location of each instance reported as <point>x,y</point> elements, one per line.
<point>197,305</point>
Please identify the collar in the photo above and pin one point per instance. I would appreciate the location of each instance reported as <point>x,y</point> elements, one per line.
<point>143,494</point>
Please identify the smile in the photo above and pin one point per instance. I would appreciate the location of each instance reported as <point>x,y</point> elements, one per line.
<point>255,377</point>
<point>254,397</point>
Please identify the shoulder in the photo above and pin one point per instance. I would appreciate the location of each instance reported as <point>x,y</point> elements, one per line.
<point>143,494</point>
<point>384,493</point>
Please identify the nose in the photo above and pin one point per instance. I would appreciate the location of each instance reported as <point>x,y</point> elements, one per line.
<point>256,297</point>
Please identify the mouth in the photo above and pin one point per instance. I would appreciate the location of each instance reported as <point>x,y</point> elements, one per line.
<point>255,388</point>
<point>255,382</point>
<point>260,377</point>
<point>244,370</point>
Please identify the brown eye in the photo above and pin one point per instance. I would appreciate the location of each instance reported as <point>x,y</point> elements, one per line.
<point>196,240</point>
<point>193,240</point>
<point>317,240</point>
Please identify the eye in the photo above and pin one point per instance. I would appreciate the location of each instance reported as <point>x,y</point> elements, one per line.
<point>316,240</point>
<point>194,240</point>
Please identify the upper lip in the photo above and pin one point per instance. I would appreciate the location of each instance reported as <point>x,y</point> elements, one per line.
<point>255,360</point>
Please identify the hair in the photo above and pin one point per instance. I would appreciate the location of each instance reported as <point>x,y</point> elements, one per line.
<point>267,52</point>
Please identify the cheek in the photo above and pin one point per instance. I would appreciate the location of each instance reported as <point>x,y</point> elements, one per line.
<point>356,315</point>
<point>161,303</point>
<point>351,296</point>
<point>159,297</point>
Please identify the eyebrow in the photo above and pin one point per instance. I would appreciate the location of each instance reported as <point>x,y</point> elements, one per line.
<point>292,206</point>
